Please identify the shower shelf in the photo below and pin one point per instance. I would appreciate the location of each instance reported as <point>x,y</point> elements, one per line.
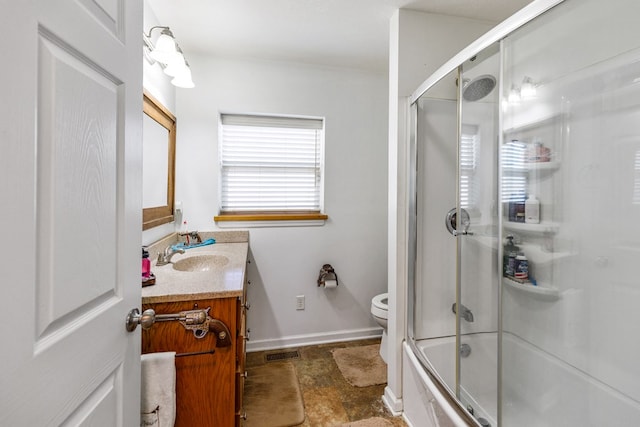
<point>533,166</point>
<point>541,228</point>
<point>532,125</point>
<point>540,256</point>
<point>540,292</point>
<point>541,166</point>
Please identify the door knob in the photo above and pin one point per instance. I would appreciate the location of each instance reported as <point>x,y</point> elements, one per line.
<point>134,318</point>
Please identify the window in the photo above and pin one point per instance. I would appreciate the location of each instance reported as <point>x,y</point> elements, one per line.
<point>469,149</point>
<point>514,178</point>
<point>270,167</point>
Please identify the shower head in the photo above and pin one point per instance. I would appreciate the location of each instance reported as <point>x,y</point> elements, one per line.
<point>478,88</point>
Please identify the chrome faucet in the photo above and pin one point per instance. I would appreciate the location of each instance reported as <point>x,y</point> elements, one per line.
<point>466,314</point>
<point>165,257</point>
<point>192,237</point>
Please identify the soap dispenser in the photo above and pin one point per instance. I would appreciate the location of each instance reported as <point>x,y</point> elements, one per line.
<point>146,264</point>
<point>509,253</point>
<point>148,277</point>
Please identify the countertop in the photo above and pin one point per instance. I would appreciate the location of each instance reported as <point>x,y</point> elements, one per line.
<point>220,282</point>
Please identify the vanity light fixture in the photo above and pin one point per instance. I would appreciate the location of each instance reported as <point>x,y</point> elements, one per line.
<point>168,54</point>
<point>514,95</point>
<point>528,89</point>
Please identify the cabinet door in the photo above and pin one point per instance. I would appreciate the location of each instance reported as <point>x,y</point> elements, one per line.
<point>205,384</point>
<point>241,349</point>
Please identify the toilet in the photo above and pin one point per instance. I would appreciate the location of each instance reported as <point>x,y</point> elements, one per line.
<point>380,312</point>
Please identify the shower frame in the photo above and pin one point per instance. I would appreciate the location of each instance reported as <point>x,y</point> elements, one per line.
<point>494,36</point>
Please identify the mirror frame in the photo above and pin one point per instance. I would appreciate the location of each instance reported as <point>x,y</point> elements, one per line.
<point>158,215</point>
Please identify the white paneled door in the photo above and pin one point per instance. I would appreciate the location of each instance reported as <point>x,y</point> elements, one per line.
<point>70,211</point>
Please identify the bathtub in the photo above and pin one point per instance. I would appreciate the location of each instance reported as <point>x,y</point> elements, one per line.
<point>478,372</point>
<point>556,393</point>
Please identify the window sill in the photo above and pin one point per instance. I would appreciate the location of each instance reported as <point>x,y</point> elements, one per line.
<point>270,220</point>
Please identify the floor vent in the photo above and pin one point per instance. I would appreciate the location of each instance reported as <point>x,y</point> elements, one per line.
<point>282,355</point>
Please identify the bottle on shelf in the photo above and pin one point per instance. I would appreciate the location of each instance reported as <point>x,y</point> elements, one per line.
<point>509,254</point>
<point>532,210</point>
<point>521,269</point>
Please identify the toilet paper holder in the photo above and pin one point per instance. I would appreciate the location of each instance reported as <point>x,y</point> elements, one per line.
<point>327,273</point>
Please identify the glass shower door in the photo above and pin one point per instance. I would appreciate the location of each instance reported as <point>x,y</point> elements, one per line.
<point>477,269</point>
<point>571,135</point>
<point>433,188</point>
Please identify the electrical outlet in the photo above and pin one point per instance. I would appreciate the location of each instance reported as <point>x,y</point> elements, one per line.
<point>300,302</point>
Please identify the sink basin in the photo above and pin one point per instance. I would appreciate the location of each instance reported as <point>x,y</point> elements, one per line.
<point>201,263</point>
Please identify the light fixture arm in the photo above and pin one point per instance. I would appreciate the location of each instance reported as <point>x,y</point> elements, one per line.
<point>153,28</point>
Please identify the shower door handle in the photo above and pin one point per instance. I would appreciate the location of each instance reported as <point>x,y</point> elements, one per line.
<point>451,222</point>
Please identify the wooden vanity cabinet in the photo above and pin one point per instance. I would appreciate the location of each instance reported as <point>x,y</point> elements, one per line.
<point>241,350</point>
<point>208,386</point>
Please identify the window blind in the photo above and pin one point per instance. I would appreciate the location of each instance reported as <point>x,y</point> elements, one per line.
<point>270,164</point>
<point>469,149</point>
<point>514,177</point>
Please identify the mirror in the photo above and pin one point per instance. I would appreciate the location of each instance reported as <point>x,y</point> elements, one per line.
<point>158,163</point>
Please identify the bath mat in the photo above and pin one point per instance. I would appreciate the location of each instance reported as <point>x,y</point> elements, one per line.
<point>369,422</point>
<point>272,396</point>
<point>361,366</point>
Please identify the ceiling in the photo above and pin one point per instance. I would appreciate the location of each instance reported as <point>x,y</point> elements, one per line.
<point>344,33</point>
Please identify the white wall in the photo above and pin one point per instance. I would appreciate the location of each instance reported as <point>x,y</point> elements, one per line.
<point>158,84</point>
<point>286,260</point>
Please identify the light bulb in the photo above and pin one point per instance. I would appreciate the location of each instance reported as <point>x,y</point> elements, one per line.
<point>183,79</point>
<point>514,95</point>
<point>165,48</point>
<point>176,65</point>
<point>528,89</point>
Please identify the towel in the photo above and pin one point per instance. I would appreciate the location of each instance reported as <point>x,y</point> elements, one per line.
<point>194,245</point>
<point>158,390</point>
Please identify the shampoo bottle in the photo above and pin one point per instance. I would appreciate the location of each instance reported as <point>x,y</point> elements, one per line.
<point>532,210</point>
<point>521,269</point>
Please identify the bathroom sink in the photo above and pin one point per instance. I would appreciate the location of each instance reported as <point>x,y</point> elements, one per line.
<point>201,263</point>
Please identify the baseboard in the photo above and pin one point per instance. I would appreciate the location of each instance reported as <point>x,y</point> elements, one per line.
<point>393,404</point>
<point>313,339</point>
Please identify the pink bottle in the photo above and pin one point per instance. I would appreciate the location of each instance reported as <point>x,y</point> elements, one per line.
<point>146,264</point>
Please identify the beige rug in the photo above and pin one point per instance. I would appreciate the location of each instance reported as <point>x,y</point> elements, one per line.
<point>369,422</point>
<point>272,396</point>
<point>361,366</point>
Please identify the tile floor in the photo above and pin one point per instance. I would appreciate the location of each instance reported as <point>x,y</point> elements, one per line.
<point>329,400</point>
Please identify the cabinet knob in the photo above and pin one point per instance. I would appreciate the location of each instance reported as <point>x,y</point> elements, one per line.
<point>245,374</point>
<point>244,415</point>
<point>246,305</point>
